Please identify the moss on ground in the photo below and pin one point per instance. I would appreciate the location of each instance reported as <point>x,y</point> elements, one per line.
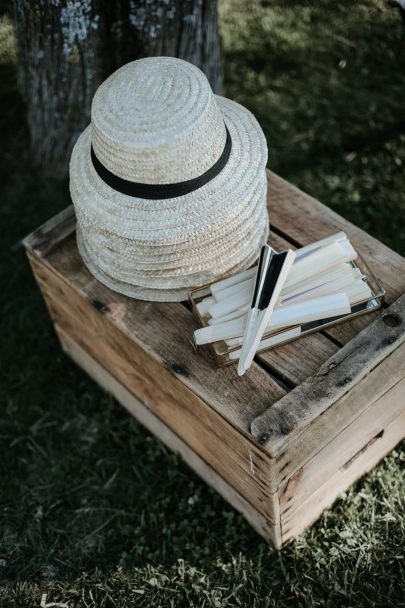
<point>94,512</point>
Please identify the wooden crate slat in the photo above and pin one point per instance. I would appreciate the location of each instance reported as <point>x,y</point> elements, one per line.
<point>344,447</point>
<point>337,483</point>
<point>268,528</point>
<point>281,424</point>
<point>52,233</point>
<point>304,447</point>
<point>230,452</point>
<point>344,332</point>
<point>298,360</point>
<point>167,329</point>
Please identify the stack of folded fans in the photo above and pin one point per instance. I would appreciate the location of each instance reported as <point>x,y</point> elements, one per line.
<point>322,283</point>
<point>168,182</point>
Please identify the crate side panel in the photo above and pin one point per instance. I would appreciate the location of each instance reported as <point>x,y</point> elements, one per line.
<point>235,457</point>
<point>345,446</point>
<point>344,413</point>
<point>269,529</point>
<point>309,511</point>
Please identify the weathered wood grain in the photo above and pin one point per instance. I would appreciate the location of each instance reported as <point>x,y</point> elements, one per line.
<point>301,449</point>
<point>343,448</point>
<point>52,233</point>
<point>338,482</point>
<point>166,330</point>
<point>296,361</point>
<point>280,424</point>
<point>267,527</point>
<point>230,451</point>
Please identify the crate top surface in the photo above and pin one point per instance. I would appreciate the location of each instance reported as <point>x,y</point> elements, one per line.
<point>276,399</point>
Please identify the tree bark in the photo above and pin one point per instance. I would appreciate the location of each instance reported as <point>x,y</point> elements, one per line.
<point>68,47</point>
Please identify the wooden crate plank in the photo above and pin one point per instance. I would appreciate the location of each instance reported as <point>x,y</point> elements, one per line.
<point>52,233</point>
<point>295,361</point>
<point>231,452</point>
<point>342,449</point>
<point>346,331</point>
<point>337,483</point>
<point>267,528</point>
<point>166,329</point>
<point>307,445</point>
<point>304,219</point>
<point>280,425</point>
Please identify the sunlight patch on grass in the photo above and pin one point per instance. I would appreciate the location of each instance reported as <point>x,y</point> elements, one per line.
<point>8,49</point>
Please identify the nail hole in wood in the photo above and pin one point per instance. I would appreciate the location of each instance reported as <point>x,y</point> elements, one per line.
<point>263,438</point>
<point>346,380</point>
<point>103,308</point>
<point>177,368</point>
<point>392,319</point>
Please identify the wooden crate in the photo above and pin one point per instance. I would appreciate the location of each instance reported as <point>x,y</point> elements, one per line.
<point>280,443</point>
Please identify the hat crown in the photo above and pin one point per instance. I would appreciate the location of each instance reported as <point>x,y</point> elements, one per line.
<point>156,121</point>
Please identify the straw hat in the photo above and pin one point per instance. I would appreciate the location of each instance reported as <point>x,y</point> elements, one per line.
<point>168,182</point>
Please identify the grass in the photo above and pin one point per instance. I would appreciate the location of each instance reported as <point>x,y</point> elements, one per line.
<point>326,84</point>
<point>95,512</point>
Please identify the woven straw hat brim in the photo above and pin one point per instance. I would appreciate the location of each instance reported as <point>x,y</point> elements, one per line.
<point>184,275</point>
<point>157,259</point>
<point>215,238</point>
<point>162,248</point>
<point>157,295</point>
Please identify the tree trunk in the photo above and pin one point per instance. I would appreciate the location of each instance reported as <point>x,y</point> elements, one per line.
<point>68,47</point>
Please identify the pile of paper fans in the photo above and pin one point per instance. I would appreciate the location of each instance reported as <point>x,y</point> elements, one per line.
<point>168,182</point>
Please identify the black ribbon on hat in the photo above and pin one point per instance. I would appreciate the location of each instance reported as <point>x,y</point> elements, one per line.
<point>162,191</point>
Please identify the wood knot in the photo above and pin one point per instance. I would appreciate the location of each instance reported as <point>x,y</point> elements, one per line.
<point>343,382</point>
<point>389,340</point>
<point>103,308</point>
<point>177,368</point>
<point>324,370</point>
<point>285,428</point>
<point>392,319</point>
